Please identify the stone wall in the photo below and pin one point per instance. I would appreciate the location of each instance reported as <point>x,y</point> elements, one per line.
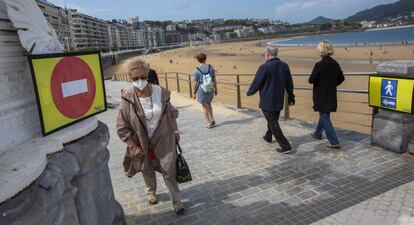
<point>75,188</point>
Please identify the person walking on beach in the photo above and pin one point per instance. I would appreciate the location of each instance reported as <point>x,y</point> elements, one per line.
<point>325,77</point>
<point>205,87</point>
<point>272,79</point>
<point>147,123</point>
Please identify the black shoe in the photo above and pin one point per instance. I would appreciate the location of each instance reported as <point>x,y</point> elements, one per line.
<point>336,146</point>
<point>267,139</point>
<point>316,137</point>
<point>286,151</point>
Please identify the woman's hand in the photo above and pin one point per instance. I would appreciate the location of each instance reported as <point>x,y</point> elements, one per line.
<point>194,96</point>
<point>136,151</point>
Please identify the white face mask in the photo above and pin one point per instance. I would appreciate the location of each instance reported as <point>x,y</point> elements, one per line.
<point>140,84</point>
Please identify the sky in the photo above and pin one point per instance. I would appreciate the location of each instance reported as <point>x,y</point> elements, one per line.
<point>293,11</point>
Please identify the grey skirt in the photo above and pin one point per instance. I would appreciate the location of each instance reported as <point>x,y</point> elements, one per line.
<point>204,97</point>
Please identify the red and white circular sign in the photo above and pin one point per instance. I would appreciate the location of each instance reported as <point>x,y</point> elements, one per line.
<point>73,87</point>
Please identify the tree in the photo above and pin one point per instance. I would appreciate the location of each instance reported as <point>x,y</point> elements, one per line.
<point>326,26</point>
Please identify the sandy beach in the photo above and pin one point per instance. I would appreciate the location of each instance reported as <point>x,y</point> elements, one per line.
<point>245,57</point>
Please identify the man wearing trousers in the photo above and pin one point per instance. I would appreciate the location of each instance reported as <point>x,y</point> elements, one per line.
<point>272,79</point>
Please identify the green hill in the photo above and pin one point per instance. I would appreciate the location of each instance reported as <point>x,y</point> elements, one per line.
<point>321,20</point>
<point>382,12</point>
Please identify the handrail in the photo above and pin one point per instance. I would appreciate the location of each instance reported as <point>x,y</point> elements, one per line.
<point>178,77</point>
<point>349,74</point>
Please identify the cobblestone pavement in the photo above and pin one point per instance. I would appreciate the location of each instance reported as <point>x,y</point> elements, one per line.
<point>240,179</point>
<point>393,207</point>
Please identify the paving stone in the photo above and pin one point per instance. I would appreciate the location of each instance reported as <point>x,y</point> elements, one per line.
<point>238,178</point>
<point>307,194</point>
<point>294,191</point>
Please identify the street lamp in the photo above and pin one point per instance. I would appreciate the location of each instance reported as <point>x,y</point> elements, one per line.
<point>96,43</point>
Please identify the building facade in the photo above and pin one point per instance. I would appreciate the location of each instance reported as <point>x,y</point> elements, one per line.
<point>88,31</point>
<point>59,20</point>
<point>155,36</point>
<point>120,35</point>
<point>173,38</point>
<point>171,27</point>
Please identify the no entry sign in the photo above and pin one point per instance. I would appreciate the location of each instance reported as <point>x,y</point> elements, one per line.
<point>69,88</point>
<point>73,87</point>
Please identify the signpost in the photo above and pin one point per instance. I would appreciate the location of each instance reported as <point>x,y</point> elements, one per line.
<point>391,93</point>
<point>69,87</point>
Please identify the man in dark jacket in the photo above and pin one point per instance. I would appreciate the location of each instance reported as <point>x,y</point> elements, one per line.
<point>272,80</point>
<point>153,77</point>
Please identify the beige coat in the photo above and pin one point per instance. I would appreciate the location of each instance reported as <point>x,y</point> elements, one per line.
<point>131,123</point>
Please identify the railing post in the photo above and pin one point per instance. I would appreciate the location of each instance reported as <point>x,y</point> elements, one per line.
<point>238,92</point>
<point>178,83</point>
<point>166,81</point>
<point>287,110</point>
<point>189,86</point>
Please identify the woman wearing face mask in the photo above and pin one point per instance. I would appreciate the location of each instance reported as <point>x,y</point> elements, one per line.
<point>147,124</point>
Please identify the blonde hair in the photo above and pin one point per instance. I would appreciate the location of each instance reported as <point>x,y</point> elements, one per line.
<point>325,48</point>
<point>137,62</point>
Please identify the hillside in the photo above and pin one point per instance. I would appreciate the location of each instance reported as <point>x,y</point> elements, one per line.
<point>382,12</point>
<point>321,20</point>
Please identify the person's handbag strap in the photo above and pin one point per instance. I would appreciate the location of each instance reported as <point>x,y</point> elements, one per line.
<point>178,148</point>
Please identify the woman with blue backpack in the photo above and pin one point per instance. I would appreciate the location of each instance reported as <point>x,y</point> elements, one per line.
<point>205,87</point>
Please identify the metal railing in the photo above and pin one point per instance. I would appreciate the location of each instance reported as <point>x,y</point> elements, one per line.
<point>179,78</point>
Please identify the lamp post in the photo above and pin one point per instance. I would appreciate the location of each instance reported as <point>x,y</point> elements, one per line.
<point>96,43</point>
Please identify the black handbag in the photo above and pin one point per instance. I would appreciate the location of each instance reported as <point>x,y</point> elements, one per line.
<point>183,171</point>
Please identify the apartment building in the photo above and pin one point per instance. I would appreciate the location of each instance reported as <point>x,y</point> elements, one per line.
<point>173,38</point>
<point>88,31</point>
<point>155,36</point>
<point>58,19</point>
<point>120,35</point>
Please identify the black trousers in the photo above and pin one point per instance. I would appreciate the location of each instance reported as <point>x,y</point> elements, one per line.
<point>273,127</point>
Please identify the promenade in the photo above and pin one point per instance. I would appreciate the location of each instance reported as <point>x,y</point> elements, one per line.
<point>240,179</point>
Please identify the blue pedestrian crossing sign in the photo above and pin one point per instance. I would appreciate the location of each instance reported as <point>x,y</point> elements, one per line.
<point>389,93</point>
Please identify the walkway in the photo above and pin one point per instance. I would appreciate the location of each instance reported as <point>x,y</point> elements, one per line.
<point>240,179</point>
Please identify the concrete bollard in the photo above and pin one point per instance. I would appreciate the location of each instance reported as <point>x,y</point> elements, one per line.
<point>394,130</point>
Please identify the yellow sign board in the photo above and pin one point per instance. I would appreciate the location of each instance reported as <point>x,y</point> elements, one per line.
<point>391,93</point>
<point>69,88</point>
